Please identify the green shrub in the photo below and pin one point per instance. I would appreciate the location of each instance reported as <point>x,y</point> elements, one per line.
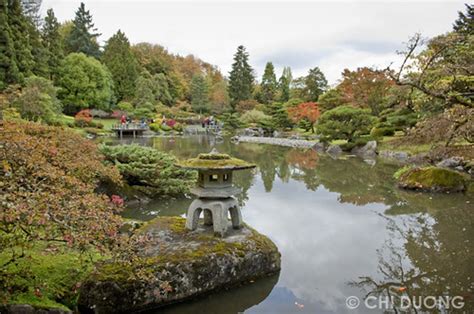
<point>149,170</point>
<point>255,117</point>
<point>382,131</point>
<point>345,123</point>
<point>165,128</point>
<point>56,122</point>
<point>125,106</point>
<point>178,127</point>
<point>11,114</point>
<point>155,127</point>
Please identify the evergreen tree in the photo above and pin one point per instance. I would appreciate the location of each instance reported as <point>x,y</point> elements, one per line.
<point>52,42</point>
<point>465,22</point>
<point>83,36</point>
<point>9,72</point>
<point>31,8</point>
<point>269,83</point>
<point>284,86</point>
<point>199,94</point>
<point>38,51</point>
<point>122,64</point>
<point>315,84</point>
<point>144,95</point>
<point>19,26</point>
<point>287,74</point>
<point>240,78</point>
<point>161,89</point>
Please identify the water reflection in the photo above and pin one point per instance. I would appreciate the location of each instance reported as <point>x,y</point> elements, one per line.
<point>342,226</point>
<point>236,300</point>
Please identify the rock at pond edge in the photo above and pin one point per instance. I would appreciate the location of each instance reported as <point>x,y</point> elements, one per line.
<point>433,179</point>
<point>179,265</point>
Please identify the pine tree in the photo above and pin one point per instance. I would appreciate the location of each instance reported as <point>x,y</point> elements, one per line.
<point>19,26</point>
<point>269,84</point>
<point>240,78</point>
<point>315,84</point>
<point>38,51</point>
<point>52,42</point>
<point>465,22</point>
<point>31,8</point>
<point>9,72</point>
<point>199,94</point>
<point>83,36</point>
<point>121,62</point>
<point>287,74</point>
<point>284,87</point>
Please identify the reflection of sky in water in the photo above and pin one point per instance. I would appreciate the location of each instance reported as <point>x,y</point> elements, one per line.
<point>323,243</point>
<point>327,219</point>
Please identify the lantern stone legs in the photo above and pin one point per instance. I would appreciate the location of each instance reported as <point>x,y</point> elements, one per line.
<point>215,214</point>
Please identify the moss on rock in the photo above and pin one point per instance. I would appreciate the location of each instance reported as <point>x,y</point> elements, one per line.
<point>432,179</point>
<point>177,264</point>
<point>215,161</point>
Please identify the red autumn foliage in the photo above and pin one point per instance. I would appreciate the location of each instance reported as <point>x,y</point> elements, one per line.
<point>170,122</point>
<point>308,111</point>
<point>365,88</point>
<point>117,200</point>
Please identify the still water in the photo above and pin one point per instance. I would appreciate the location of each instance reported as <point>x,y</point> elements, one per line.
<point>343,230</point>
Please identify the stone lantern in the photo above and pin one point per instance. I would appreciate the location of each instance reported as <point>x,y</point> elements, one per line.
<point>215,191</point>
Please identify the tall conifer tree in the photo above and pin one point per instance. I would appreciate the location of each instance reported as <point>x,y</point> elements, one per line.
<point>83,36</point>
<point>9,72</point>
<point>19,26</point>
<point>269,83</point>
<point>122,64</point>
<point>465,22</point>
<point>52,42</point>
<point>240,78</point>
<point>199,94</point>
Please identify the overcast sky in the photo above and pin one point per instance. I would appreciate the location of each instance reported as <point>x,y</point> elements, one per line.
<point>330,34</point>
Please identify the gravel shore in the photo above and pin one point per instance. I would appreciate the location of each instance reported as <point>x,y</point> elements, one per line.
<point>277,141</point>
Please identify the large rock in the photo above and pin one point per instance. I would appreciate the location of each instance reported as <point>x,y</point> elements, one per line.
<point>28,309</point>
<point>319,147</point>
<point>452,162</point>
<point>401,157</point>
<point>368,150</point>
<point>433,179</point>
<point>334,150</point>
<point>176,265</point>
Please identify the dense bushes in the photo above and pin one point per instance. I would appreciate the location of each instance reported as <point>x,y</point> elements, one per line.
<point>48,179</point>
<point>38,100</point>
<point>85,82</point>
<point>149,170</point>
<point>345,123</point>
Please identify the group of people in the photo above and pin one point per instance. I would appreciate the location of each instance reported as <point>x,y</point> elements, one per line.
<point>127,121</point>
<point>208,121</point>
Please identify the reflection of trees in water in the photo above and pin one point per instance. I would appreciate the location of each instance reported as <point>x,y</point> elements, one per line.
<point>433,258</point>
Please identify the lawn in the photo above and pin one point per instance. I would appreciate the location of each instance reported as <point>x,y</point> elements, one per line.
<point>106,122</point>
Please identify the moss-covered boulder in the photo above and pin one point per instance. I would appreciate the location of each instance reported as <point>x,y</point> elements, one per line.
<point>175,265</point>
<point>432,179</point>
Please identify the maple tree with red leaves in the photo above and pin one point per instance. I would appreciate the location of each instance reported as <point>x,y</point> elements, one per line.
<point>365,88</point>
<point>308,112</point>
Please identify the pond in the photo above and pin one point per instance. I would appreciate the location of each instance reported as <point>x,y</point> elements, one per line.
<point>342,227</point>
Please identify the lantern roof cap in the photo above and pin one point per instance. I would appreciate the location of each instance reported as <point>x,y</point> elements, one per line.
<point>215,161</point>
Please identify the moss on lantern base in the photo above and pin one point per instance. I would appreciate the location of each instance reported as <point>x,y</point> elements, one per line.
<point>176,265</point>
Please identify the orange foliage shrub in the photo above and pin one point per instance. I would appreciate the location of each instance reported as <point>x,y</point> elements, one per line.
<point>308,112</point>
<point>48,178</point>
